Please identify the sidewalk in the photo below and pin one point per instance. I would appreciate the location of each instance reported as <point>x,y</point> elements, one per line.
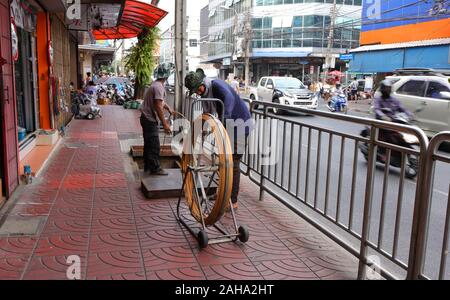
<point>88,203</point>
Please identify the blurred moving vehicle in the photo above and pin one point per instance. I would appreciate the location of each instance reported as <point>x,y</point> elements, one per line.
<point>428,89</point>
<point>396,138</point>
<point>285,90</point>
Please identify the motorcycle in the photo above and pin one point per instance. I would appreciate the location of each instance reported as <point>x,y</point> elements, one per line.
<point>85,106</point>
<point>338,103</point>
<point>396,138</point>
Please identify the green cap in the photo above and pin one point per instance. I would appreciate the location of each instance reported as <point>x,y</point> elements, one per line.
<point>194,80</point>
<point>162,71</point>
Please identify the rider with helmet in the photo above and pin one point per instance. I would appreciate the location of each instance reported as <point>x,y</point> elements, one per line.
<point>153,114</point>
<point>387,106</point>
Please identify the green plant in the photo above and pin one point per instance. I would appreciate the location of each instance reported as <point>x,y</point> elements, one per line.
<point>141,59</point>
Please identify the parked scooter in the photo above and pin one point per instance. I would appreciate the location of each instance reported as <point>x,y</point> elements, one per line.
<point>84,106</point>
<point>396,138</point>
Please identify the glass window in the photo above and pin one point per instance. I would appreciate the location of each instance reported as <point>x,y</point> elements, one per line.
<point>413,88</point>
<point>298,21</point>
<point>270,82</point>
<point>435,89</point>
<point>267,23</point>
<point>307,43</point>
<point>257,23</point>
<point>276,44</point>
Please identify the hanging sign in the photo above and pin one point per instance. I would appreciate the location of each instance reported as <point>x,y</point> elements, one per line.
<point>14,41</point>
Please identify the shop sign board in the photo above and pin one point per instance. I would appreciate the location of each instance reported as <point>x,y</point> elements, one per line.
<point>346,57</point>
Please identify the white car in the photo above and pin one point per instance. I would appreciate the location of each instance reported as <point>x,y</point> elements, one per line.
<point>427,93</point>
<point>285,90</point>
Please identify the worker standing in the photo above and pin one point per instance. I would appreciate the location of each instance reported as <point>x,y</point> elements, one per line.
<point>153,114</point>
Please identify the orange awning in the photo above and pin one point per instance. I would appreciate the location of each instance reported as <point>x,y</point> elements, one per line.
<point>135,17</point>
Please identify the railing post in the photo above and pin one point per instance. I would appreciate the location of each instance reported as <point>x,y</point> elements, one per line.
<point>372,159</point>
<point>261,160</point>
<point>422,210</point>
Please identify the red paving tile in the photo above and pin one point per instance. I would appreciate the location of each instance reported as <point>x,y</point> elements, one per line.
<point>93,211</point>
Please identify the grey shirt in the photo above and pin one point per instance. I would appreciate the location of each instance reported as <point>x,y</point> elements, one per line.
<point>156,92</point>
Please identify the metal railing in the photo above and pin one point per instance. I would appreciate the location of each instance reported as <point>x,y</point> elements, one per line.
<point>438,251</point>
<point>320,174</point>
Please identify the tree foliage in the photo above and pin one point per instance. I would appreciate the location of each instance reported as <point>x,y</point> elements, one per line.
<point>141,59</point>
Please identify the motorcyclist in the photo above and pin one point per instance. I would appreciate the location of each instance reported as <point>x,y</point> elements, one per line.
<point>387,106</point>
<point>335,103</point>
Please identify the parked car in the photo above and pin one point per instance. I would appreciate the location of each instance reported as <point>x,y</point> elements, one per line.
<point>285,90</point>
<point>426,89</point>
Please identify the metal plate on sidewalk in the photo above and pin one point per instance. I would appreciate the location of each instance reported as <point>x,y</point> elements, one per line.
<point>19,226</point>
<point>166,187</point>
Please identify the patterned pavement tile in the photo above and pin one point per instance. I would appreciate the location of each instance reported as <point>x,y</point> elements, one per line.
<point>275,215</point>
<point>73,202</point>
<point>76,193</point>
<point>71,227</point>
<point>110,180</point>
<point>237,271</point>
<point>12,247</point>
<point>70,213</point>
<point>100,226</point>
<point>169,258</point>
<point>128,276</point>
<point>83,181</point>
<point>113,263</point>
<point>267,250</point>
<point>108,212</point>
<point>153,208</point>
<point>111,191</point>
<point>333,266</point>
<point>309,245</point>
<point>220,254</point>
<point>52,268</point>
<point>191,274</point>
<point>12,268</point>
<point>163,239</point>
<point>113,242</point>
<point>59,245</point>
<point>285,230</point>
<point>287,269</point>
<point>154,223</point>
<point>103,199</point>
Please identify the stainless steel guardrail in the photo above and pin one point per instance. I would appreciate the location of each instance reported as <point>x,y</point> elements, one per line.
<point>439,250</point>
<point>321,175</point>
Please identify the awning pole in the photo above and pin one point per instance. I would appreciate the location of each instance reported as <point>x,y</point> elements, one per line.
<point>180,52</point>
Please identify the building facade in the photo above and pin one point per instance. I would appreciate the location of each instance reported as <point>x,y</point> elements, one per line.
<point>411,33</point>
<point>36,71</point>
<point>288,37</point>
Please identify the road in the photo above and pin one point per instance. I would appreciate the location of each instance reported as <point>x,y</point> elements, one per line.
<point>313,190</point>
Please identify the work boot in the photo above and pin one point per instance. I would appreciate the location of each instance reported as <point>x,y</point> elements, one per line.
<point>160,172</point>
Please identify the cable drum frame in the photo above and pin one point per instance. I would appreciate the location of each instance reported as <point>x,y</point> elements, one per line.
<point>193,182</point>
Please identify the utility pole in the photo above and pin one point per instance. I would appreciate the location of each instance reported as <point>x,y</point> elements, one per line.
<point>180,52</point>
<point>235,34</point>
<point>329,55</point>
<point>248,43</point>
